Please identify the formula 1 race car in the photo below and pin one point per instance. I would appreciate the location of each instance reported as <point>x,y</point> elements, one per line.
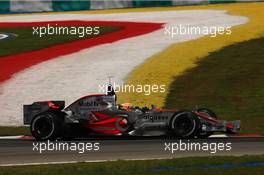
<point>99,114</point>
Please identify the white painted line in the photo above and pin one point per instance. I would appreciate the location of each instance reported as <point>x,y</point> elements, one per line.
<point>11,137</point>
<point>87,161</point>
<point>22,137</point>
<point>218,136</point>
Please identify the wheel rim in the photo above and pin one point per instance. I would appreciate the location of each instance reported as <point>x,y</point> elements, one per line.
<point>43,126</point>
<point>184,126</point>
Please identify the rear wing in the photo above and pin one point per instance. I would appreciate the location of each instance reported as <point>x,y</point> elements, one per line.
<point>30,111</point>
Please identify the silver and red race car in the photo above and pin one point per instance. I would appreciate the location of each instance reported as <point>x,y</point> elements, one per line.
<point>99,114</point>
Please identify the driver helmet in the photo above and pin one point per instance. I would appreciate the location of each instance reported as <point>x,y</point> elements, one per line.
<point>126,106</point>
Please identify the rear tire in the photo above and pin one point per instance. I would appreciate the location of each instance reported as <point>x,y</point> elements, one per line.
<point>184,125</point>
<point>46,126</point>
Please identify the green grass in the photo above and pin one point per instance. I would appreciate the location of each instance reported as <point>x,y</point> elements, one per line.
<point>26,41</point>
<point>180,166</point>
<point>229,81</point>
<point>14,130</point>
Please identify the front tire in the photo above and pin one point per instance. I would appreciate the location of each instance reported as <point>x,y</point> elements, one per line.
<point>184,125</point>
<point>46,126</point>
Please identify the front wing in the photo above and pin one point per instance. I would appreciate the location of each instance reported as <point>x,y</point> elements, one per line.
<point>222,126</point>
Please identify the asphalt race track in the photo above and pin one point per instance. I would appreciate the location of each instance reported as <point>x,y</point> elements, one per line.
<point>19,152</point>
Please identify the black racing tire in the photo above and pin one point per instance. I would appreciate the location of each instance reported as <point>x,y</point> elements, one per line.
<point>210,113</point>
<point>46,126</point>
<point>184,125</point>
